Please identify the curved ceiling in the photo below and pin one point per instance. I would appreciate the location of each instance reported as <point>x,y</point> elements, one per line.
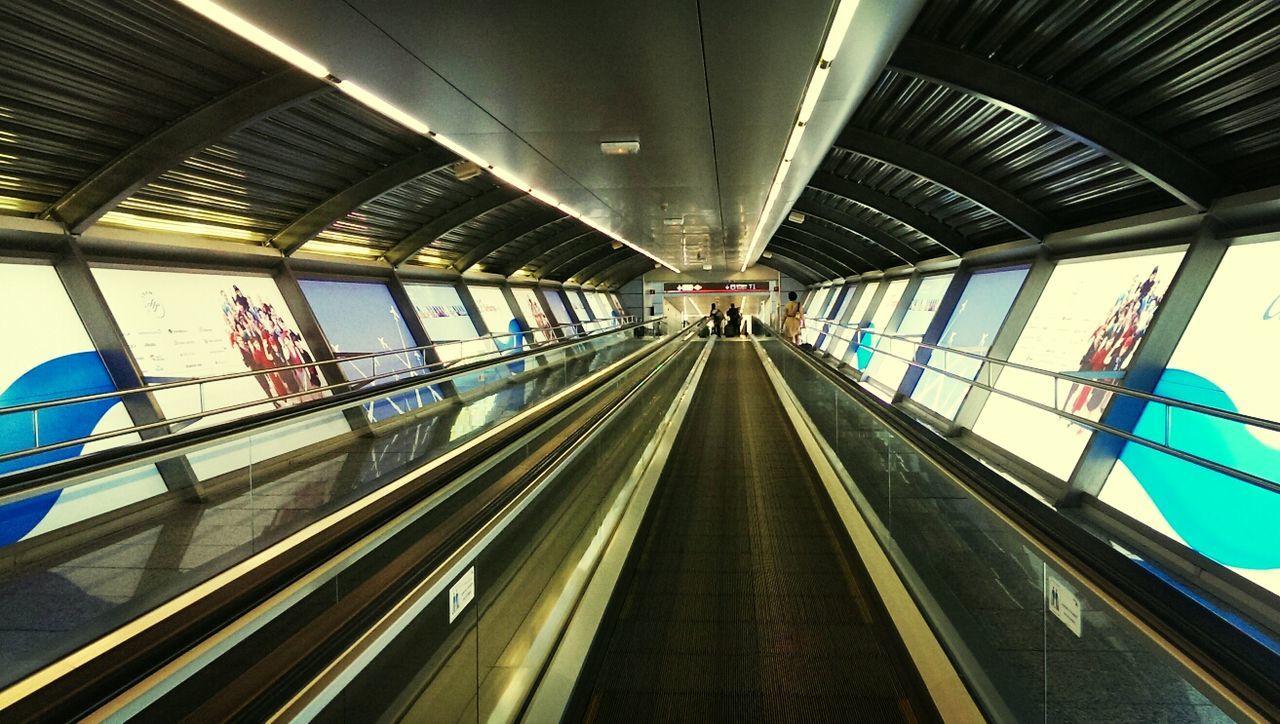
<point>990,123</point>
<point>1006,121</point>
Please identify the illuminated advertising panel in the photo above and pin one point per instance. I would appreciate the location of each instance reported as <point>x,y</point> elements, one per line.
<point>1089,321</point>
<point>889,371</point>
<point>182,326</point>
<point>443,315</point>
<point>559,311</point>
<point>1222,361</point>
<point>836,337</point>
<point>580,309</point>
<point>360,318</point>
<point>600,307</point>
<point>498,317</point>
<point>977,318</point>
<point>534,314</point>
<point>867,342</point>
<point>47,356</point>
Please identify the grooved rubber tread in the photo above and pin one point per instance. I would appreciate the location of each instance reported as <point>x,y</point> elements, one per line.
<point>743,599</point>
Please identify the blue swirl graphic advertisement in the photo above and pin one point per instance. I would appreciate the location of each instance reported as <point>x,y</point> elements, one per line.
<point>83,372</point>
<point>1226,519</point>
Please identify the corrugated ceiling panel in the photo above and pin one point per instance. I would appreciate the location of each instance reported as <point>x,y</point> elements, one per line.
<point>1203,74</point>
<point>257,180</point>
<point>518,247</point>
<point>83,81</point>
<point>398,213</point>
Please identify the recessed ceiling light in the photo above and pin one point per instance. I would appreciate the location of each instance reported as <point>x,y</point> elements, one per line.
<point>706,267</point>
<point>674,221</point>
<point>619,148</point>
<point>795,217</point>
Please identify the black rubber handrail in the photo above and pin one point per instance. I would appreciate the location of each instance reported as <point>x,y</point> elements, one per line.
<point>1237,660</point>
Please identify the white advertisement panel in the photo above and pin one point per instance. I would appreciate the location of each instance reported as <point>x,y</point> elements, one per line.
<point>1090,320</point>
<point>498,317</point>
<point>47,355</point>
<point>534,314</point>
<point>443,315</point>
<point>1223,361</point>
<point>889,371</point>
<point>977,318</point>
<point>190,325</point>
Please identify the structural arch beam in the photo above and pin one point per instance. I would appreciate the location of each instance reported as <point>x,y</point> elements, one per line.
<point>171,145</point>
<point>310,224</point>
<point>406,248</point>
<point>935,169</point>
<point>817,258</point>
<point>625,271</point>
<point>602,276</point>
<point>832,245</point>
<point>592,262</point>
<point>896,209</point>
<point>533,222</point>
<point>797,270</point>
<point>1141,151</point>
<point>571,250</point>
<point>855,227</point>
<point>569,235</point>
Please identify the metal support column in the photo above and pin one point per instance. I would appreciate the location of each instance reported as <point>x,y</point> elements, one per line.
<point>1149,362</point>
<point>108,339</point>
<point>933,333</point>
<point>309,327</point>
<point>1014,322</point>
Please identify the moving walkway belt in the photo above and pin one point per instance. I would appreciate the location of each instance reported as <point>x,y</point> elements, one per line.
<point>742,597</point>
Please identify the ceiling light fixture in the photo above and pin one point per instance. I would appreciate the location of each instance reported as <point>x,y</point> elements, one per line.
<point>247,30</point>
<point>813,91</point>
<point>619,148</point>
<point>257,36</point>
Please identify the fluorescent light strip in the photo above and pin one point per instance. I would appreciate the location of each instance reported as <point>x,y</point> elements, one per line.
<point>375,102</point>
<point>257,36</point>
<point>247,30</point>
<point>813,91</point>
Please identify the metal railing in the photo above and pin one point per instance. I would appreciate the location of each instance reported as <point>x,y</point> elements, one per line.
<point>987,364</point>
<point>34,408</point>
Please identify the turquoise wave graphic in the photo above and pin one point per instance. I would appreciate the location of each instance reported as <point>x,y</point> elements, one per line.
<point>81,373</point>
<point>1228,520</point>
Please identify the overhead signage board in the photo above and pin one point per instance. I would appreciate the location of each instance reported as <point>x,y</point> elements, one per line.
<point>715,287</point>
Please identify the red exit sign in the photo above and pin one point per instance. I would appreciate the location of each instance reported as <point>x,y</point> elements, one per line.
<point>715,287</point>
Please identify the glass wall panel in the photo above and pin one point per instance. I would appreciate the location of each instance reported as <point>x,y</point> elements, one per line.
<point>835,337</point>
<point>360,318</point>
<point>1225,361</point>
<point>534,314</point>
<point>879,320</point>
<point>443,315</point>
<point>977,318</point>
<point>889,371</point>
<point>1089,321</point>
<point>47,355</point>
<point>498,317</point>
<point>187,325</point>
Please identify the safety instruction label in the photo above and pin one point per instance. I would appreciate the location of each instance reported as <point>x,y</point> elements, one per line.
<point>1064,604</point>
<point>461,593</point>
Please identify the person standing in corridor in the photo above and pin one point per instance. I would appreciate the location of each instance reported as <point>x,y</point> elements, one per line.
<point>792,315</point>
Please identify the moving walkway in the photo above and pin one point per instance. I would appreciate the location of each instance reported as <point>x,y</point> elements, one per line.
<point>694,529</point>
